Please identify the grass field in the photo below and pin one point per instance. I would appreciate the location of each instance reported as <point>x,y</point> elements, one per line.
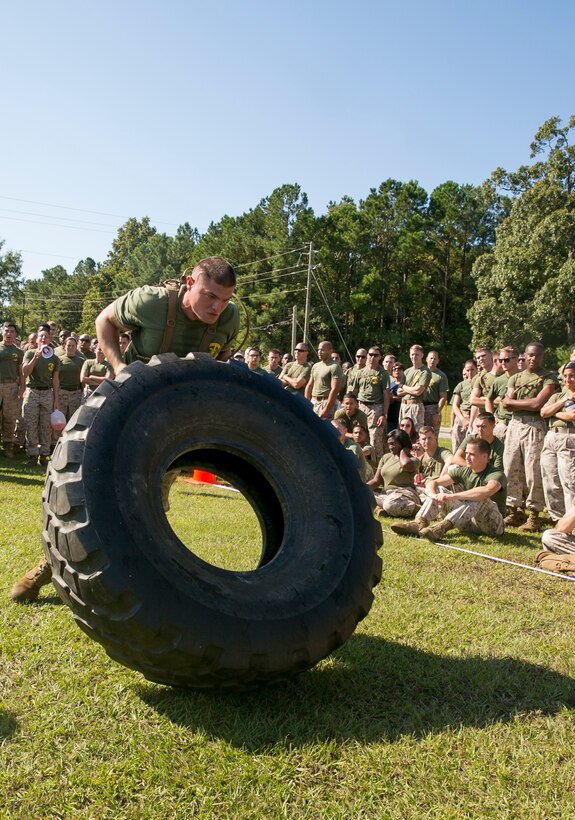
<point>454,699</point>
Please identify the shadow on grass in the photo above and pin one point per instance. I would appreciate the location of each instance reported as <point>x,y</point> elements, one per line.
<point>370,690</point>
<point>8,725</point>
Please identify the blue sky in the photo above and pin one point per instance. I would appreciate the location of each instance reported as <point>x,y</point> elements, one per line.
<point>186,111</point>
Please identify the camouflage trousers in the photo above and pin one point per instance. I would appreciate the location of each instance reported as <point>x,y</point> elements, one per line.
<point>37,408</point>
<point>500,430</point>
<point>398,502</point>
<point>377,435</point>
<point>458,432</point>
<point>9,410</point>
<point>558,471</point>
<point>482,517</point>
<point>413,410</point>
<point>555,541</point>
<point>432,417</point>
<point>522,462</point>
<point>319,406</point>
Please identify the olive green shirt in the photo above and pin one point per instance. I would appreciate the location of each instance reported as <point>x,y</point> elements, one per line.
<point>432,466</point>
<point>529,385</point>
<point>322,375</point>
<point>296,371</point>
<point>554,422</point>
<point>437,386</point>
<point>495,455</point>
<point>10,360</point>
<point>144,311</point>
<point>350,422</point>
<point>497,391</point>
<point>415,377</point>
<point>43,372</point>
<point>471,479</point>
<point>392,472</point>
<point>70,369</point>
<point>483,382</point>
<point>463,390</point>
<point>275,372</point>
<point>371,385</point>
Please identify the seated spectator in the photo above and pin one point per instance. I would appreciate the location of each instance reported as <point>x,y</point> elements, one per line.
<point>365,470</point>
<point>561,538</point>
<point>396,471</point>
<point>478,508</point>
<point>350,414</point>
<point>361,437</point>
<point>484,427</point>
<point>433,459</point>
<point>407,425</point>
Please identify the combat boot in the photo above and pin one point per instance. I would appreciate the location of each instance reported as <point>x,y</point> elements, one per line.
<point>28,587</point>
<point>533,524</point>
<point>438,530</point>
<point>515,516</point>
<point>409,527</point>
<point>32,461</point>
<point>9,450</point>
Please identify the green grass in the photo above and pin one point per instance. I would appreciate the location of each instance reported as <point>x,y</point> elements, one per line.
<point>454,699</point>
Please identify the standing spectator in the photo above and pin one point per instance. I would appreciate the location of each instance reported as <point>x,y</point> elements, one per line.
<point>489,369</point>
<point>435,397</point>
<point>10,380</point>
<point>41,397</point>
<point>94,372</point>
<point>253,359</point>
<point>417,379</point>
<point>70,379</point>
<point>461,405</point>
<point>394,400</point>
<point>497,391</point>
<point>124,341</point>
<point>527,392</point>
<point>558,454</point>
<point>353,374</point>
<point>372,384</point>
<point>273,366</point>
<point>85,346</point>
<point>295,375</point>
<point>286,359</point>
<point>324,382</point>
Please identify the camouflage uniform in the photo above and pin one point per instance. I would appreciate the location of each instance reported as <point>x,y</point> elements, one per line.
<point>558,541</point>
<point>412,406</point>
<point>524,442</point>
<point>399,498</point>
<point>437,386</point>
<point>38,404</point>
<point>498,390</point>
<point>10,362</point>
<point>371,385</point>
<point>458,432</point>
<point>558,464</point>
<point>323,374</point>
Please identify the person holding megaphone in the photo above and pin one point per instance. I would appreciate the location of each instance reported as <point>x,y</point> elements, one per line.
<point>40,368</point>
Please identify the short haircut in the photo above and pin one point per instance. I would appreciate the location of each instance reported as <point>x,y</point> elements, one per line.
<point>275,350</point>
<point>426,429</point>
<point>536,344</point>
<point>401,437</point>
<point>509,349</point>
<point>8,324</point>
<point>416,347</point>
<point>482,445</point>
<point>354,397</point>
<point>44,326</point>
<point>488,416</point>
<point>218,270</point>
<point>470,361</point>
<point>483,350</point>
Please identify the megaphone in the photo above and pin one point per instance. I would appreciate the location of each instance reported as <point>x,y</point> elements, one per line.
<point>47,352</point>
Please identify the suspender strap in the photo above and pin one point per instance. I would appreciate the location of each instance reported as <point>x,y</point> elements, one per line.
<point>171,322</point>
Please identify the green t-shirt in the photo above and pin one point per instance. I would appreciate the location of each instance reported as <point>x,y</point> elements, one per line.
<point>144,311</point>
<point>275,372</point>
<point>471,479</point>
<point>371,385</point>
<point>70,369</point>
<point>393,474</point>
<point>43,372</point>
<point>365,470</point>
<point>437,386</point>
<point>416,377</point>
<point>350,422</point>
<point>529,385</point>
<point>91,367</point>
<point>553,420</point>
<point>463,389</point>
<point>322,374</point>
<point>352,377</point>
<point>496,454</point>
<point>483,382</point>
<point>431,466</point>
<point>10,360</point>
<point>295,371</point>
<point>497,391</point>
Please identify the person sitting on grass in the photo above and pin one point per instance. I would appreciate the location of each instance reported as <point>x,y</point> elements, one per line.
<point>365,470</point>
<point>396,471</point>
<point>406,424</point>
<point>483,427</point>
<point>433,459</point>
<point>561,538</point>
<point>478,508</point>
<point>361,437</point>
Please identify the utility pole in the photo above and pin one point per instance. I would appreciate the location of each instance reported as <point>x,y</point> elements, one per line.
<point>308,295</point>
<point>293,328</point>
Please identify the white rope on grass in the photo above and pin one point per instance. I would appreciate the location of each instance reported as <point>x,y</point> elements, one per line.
<point>501,560</point>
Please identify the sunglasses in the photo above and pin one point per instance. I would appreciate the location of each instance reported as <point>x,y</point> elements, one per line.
<point>300,350</point>
<point>376,355</point>
<point>508,359</point>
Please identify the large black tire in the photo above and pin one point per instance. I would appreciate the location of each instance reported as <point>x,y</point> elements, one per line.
<point>154,605</point>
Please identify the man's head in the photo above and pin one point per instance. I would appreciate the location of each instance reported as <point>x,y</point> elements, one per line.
<point>534,353</point>
<point>360,435</point>
<point>416,355</point>
<point>508,359</point>
<point>70,346</point>
<point>469,370</point>
<point>53,328</point>
<point>273,358</point>
<point>335,357</point>
<point>325,350</point>
<point>42,338</point>
<point>428,439</point>
<point>341,429</point>
<point>287,358</point>
<point>373,357</point>
<point>361,357</point>
<point>63,335</point>
<point>484,426</point>
<point>569,375</point>
<point>84,343</point>
<point>32,340</point>
<point>432,359</point>
<point>8,333</point>
<point>350,404</point>
<point>209,289</point>
<point>477,454</point>
<point>388,362</point>
<point>484,358</point>
<point>521,361</point>
<point>301,351</point>
<point>397,371</point>
<point>124,341</point>
<point>253,358</point>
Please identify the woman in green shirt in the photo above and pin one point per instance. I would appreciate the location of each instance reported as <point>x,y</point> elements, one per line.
<point>396,472</point>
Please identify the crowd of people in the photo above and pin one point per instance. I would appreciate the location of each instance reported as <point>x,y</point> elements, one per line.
<point>512,423</point>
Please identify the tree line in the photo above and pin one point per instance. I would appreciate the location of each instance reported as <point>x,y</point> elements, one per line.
<point>461,266</point>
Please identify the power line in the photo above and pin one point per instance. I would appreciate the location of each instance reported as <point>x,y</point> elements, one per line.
<point>61,218</point>
<point>266,258</point>
<point>55,225</point>
<point>79,210</point>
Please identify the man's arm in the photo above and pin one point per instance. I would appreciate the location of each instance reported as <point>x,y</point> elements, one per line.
<point>533,405</point>
<point>478,493</point>
<point>332,398</point>
<point>107,332</point>
<point>56,389</point>
<point>458,458</point>
<point>567,523</point>
<point>309,386</point>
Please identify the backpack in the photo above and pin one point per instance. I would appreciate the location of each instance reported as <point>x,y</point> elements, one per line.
<point>556,562</point>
